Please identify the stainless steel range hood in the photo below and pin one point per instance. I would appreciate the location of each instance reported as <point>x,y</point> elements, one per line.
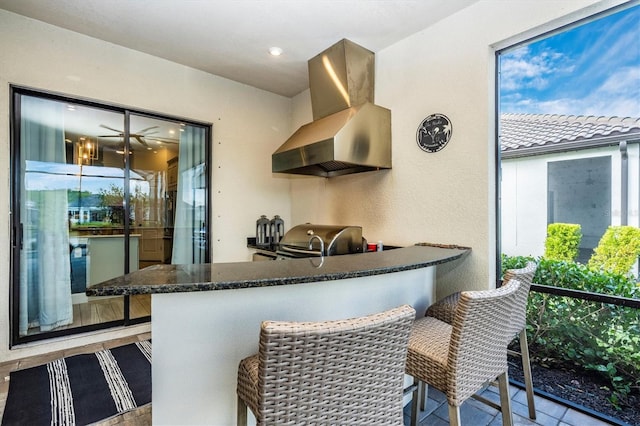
<point>349,133</point>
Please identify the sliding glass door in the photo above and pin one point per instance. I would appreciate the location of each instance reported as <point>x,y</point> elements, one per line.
<point>98,192</point>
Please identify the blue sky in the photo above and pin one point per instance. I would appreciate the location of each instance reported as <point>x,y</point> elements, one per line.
<point>593,69</point>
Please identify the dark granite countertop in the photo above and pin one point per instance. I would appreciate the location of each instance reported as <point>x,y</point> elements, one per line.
<point>229,276</point>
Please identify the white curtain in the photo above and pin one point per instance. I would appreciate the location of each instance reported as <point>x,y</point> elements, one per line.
<point>189,233</point>
<point>45,279</point>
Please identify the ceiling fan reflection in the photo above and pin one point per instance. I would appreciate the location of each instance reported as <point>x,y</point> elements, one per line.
<point>142,136</point>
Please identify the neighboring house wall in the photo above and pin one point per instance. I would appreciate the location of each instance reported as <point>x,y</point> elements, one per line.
<point>524,196</point>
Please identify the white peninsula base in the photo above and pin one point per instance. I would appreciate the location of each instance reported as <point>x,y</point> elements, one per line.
<point>200,337</point>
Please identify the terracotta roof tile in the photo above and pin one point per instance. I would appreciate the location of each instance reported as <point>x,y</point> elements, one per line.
<point>546,130</point>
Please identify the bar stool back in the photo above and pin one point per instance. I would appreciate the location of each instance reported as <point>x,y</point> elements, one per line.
<point>459,358</point>
<point>445,309</point>
<point>343,372</point>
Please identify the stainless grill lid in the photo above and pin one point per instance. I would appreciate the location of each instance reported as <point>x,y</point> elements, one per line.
<point>337,240</point>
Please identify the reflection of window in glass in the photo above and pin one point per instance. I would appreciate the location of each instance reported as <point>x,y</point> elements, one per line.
<point>45,284</point>
<point>155,147</point>
<point>190,234</point>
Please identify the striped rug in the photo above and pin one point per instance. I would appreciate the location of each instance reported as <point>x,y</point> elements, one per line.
<point>81,389</point>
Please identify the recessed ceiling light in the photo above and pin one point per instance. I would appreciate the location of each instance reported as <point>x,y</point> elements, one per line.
<point>275,51</point>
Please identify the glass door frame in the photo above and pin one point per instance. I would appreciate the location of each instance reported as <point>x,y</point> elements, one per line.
<point>15,241</point>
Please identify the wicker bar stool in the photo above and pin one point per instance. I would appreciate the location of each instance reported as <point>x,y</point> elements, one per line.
<point>459,358</point>
<point>445,308</point>
<point>343,372</point>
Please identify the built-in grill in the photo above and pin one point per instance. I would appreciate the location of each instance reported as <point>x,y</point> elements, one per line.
<point>310,240</point>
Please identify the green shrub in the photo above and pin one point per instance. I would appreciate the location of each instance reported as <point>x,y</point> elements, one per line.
<point>563,241</point>
<point>595,336</point>
<point>617,250</point>
<point>94,224</point>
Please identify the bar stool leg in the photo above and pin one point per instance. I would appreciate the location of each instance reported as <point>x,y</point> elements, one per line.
<point>424,395</point>
<point>526,367</point>
<point>505,399</point>
<point>454,415</point>
<point>241,414</point>
<point>414,402</point>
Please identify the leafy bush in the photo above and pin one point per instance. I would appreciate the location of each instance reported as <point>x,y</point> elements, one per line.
<point>93,224</point>
<point>595,336</point>
<point>563,241</point>
<point>617,250</point>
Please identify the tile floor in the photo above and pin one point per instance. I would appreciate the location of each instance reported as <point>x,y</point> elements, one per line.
<point>473,413</point>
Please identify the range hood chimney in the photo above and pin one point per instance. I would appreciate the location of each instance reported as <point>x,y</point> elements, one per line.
<point>349,133</point>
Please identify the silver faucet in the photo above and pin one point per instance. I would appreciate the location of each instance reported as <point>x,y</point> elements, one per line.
<point>321,244</point>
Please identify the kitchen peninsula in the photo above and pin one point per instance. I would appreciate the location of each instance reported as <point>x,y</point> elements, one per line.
<point>200,333</point>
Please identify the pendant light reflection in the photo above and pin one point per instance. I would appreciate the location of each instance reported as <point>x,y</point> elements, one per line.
<point>86,151</point>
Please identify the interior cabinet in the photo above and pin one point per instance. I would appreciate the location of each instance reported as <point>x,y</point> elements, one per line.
<point>154,245</point>
<point>105,259</point>
<point>156,242</point>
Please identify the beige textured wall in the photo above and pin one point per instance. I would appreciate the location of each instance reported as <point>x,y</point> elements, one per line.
<point>446,197</point>
<point>248,125</point>
<point>449,196</point>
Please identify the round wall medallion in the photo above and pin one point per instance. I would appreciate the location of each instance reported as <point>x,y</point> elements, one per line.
<point>434,133</point>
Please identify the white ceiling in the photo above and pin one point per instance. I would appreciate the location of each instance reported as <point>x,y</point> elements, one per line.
<point>231,38</point>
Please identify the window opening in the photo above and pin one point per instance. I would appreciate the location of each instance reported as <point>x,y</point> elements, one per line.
<point>569,133</point>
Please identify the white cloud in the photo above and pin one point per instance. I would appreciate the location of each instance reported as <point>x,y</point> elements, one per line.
<point>622,81</point>
<point>520,70</point>
<point>599,74</point>
<point>621,105</point>
<point>618,95</point>
<point>614,46</point>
